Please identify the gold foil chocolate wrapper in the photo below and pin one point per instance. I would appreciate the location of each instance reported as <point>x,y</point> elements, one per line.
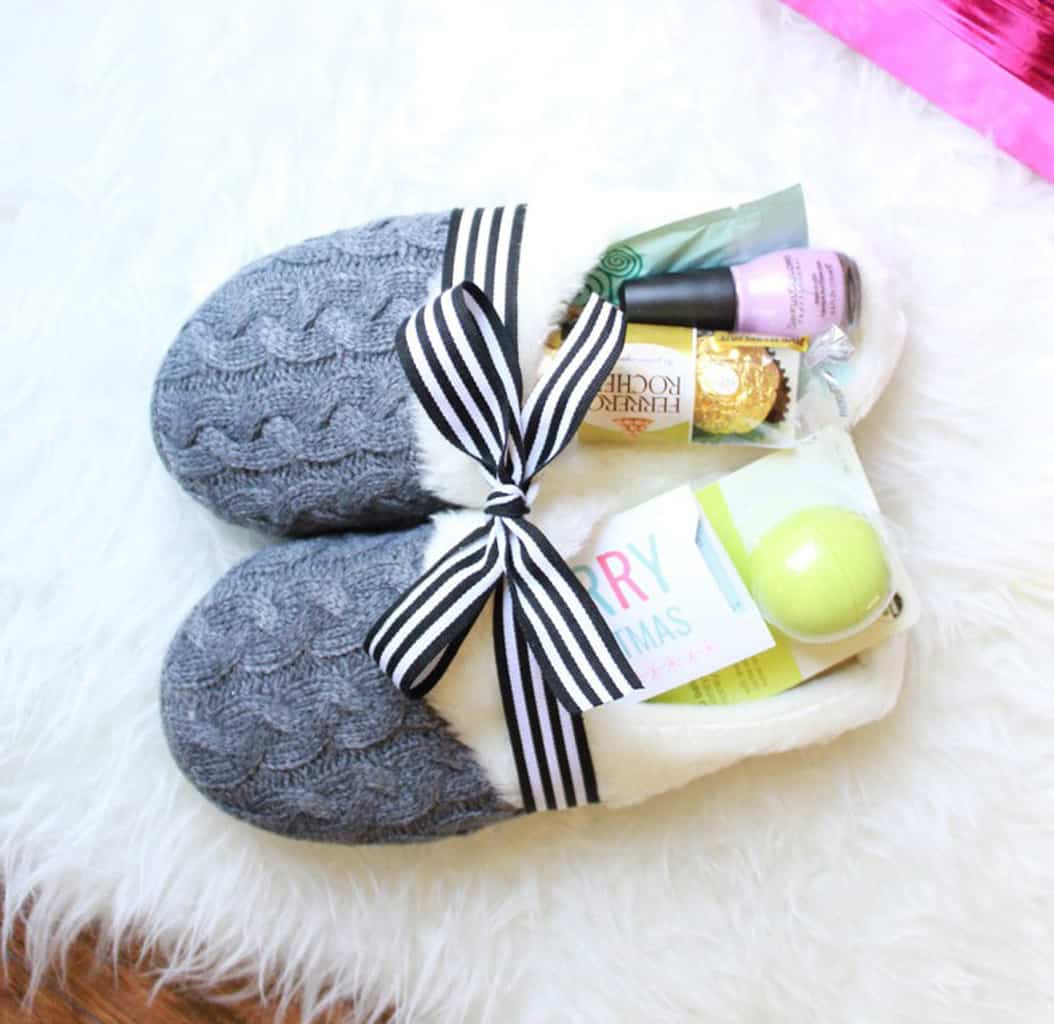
<point>737,387</point>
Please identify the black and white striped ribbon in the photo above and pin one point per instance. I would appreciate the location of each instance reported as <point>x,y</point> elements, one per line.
<point>483,246</point>
<point>553,762</point>
<point>556,656</point>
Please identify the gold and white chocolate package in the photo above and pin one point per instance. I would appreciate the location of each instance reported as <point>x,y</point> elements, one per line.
<point>680,385</point>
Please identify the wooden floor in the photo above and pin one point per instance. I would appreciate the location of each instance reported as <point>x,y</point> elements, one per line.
<point>94,993</point>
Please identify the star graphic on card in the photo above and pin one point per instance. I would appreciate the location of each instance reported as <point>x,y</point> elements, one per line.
<point>672,662</point>
<point>655,672</point>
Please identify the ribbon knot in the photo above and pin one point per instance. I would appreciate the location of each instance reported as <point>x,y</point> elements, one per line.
<point>463,366</point>
<point>508,499</point>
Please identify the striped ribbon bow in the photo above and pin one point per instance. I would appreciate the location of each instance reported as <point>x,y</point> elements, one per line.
<point>463,366</point>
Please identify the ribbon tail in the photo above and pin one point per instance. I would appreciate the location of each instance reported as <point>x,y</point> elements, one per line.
<point>417,637</point>
<point>580,659</point>
<point>553,763</point>
<point>558,404</point>
<point>461,364</point>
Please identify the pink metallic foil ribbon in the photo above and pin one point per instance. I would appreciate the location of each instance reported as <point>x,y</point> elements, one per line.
<point>989,63</point>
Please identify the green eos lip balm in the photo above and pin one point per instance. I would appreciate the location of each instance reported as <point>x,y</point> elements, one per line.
<point>821,574</point>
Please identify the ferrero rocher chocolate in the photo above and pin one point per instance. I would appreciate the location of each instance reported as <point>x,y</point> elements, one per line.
<point>737,386</point>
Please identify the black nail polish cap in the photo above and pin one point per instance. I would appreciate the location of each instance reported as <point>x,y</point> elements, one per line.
<point>695,298</point>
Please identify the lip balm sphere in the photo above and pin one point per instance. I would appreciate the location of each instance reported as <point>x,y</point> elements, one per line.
<point>821,574</point>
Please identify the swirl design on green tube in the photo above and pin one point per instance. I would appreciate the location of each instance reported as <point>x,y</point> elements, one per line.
<point>620,263</point>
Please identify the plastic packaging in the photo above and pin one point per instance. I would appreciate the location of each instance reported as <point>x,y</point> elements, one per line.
<point>677,385</point>
<point>808,541</point>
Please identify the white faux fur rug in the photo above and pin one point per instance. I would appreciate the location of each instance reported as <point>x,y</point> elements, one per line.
<point>903,873</point>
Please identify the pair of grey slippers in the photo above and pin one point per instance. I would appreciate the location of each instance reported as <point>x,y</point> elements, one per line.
<point>282,406</point>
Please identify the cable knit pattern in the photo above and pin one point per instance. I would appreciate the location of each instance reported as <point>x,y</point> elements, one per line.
<point>274,711</point>
<point>282,405</point>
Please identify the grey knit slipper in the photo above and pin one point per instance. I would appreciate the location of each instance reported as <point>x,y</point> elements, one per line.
<point>274,712</point>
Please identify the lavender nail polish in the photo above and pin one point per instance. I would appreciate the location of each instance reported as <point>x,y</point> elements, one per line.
<point>788,293</point>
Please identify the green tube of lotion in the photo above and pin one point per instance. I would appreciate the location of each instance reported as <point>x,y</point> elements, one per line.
<point>719,238</point>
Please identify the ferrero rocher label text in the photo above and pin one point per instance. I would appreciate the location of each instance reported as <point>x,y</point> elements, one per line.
<point>648,395</point>
<point>639,392</point>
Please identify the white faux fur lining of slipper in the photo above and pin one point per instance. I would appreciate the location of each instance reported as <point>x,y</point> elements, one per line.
<point>640,750</point>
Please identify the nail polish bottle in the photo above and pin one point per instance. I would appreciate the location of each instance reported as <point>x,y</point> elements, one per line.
<point>786,293</point>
